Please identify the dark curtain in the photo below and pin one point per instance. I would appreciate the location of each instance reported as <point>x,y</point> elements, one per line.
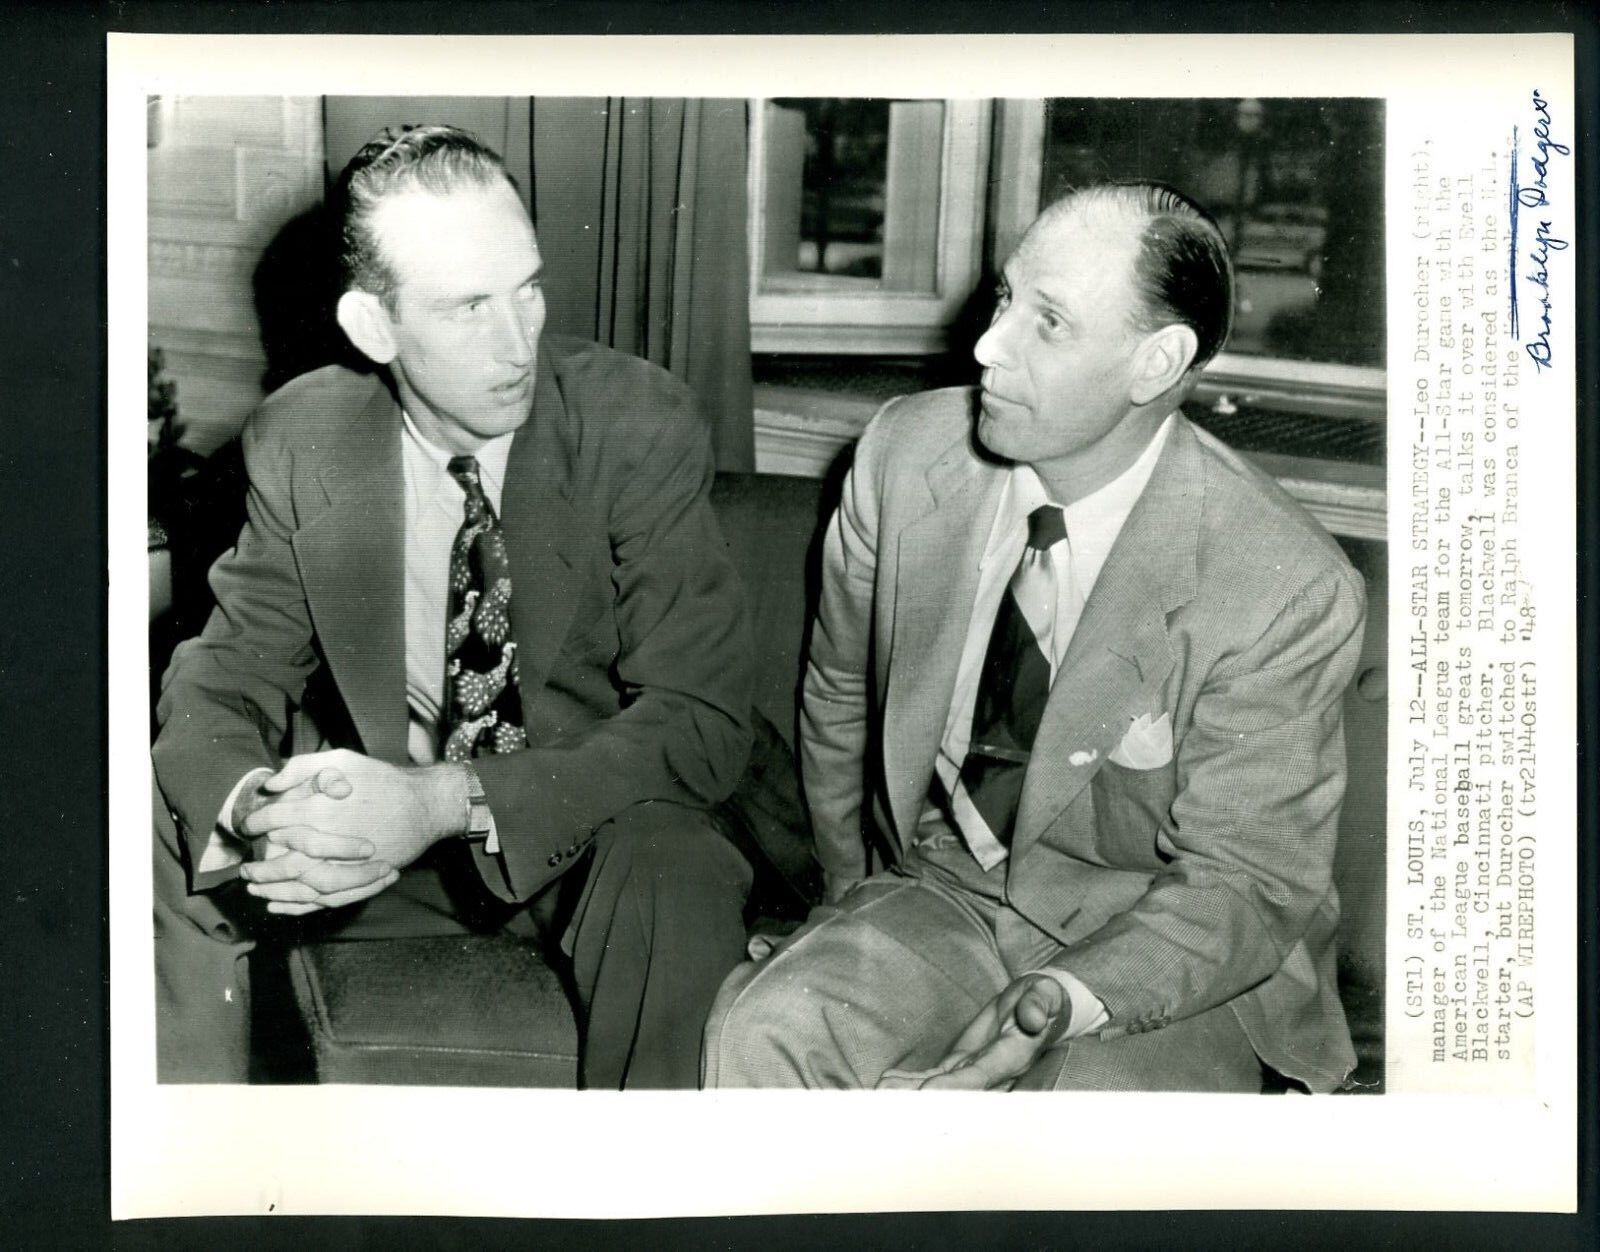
<point>640,210</point>
<point>348,122</point>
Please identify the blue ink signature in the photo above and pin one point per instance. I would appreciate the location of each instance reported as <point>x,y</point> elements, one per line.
<point>1535,195</point>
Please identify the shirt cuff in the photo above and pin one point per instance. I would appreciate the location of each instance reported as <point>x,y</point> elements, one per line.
<point>224,849</point>
<point>1089,1013</point>
<point>225,818</point>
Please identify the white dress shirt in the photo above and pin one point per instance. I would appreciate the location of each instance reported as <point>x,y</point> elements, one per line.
<point>435,505</point>
<point>1093,524</point>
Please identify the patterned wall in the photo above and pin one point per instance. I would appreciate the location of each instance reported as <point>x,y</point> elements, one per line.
<point>225,176</point>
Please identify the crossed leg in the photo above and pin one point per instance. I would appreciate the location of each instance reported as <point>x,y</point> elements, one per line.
<point>891,976</point>
<point>888,978</point>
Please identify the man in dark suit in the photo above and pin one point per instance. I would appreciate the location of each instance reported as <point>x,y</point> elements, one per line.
<point>1082,666</point>
<point>479,631</point>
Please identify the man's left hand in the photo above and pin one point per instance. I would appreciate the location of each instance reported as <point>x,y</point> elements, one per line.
<point>293,883</point>
<point>1006,1037</point>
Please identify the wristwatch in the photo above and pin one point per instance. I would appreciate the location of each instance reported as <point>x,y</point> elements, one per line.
<point>480,821</point>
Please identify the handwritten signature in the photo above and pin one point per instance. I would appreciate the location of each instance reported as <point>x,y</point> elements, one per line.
<point>1535,195</point>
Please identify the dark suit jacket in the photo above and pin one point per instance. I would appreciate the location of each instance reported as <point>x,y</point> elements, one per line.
<point>1203,880</point>
<point>632,647</point>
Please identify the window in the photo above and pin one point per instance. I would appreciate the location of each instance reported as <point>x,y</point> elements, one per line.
<point>1297,187</point>
<point>861,291</point>
<point>866,230</point>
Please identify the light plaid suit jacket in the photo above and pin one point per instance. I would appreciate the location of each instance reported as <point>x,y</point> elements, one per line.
<point>1203,881</point>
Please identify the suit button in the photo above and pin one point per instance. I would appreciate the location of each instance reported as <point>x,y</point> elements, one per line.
<point>573,850</point>
<point>555,859</point>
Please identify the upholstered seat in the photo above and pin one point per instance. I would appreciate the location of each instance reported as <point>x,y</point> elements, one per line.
<point>473,1011</point>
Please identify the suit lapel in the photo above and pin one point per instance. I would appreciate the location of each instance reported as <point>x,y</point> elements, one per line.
<point>542,531</point>
<point>935,584</point>
<point>352,566</point>
<point>1119,656</point>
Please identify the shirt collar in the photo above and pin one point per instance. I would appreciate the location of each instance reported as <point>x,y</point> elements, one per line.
<point>1092,522</point>
<point>492,457</point>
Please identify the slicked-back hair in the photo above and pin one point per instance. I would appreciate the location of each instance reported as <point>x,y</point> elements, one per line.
<point>1182,271</point>
<point>436,159</point>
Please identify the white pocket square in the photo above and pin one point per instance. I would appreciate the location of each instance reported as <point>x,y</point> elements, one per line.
<point>1147,745</point>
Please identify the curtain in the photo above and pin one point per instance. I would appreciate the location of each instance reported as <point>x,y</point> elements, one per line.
<point>640,210</point>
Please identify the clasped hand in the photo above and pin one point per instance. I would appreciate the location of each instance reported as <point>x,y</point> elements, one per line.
<point>1002,1042</point>
<point>333,828</point>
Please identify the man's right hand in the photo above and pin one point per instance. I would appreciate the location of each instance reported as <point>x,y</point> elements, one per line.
<point>314,843</point>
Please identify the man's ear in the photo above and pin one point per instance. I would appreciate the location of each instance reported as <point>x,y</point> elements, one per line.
<point>366,321</point>
<point>1164,358</point>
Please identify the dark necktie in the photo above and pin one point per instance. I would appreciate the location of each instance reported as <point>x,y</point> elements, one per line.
<point>1015,681</point>
<point>482,713</point>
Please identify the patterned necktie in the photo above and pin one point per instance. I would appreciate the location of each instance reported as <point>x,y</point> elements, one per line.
<point>1015,681</point>
<point>482,713</point>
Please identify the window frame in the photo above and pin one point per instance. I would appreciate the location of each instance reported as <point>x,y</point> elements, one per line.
<point>1297,386</point>
<point>830,314</point>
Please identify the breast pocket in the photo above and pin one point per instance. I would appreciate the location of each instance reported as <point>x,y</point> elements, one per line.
<point>1130,808</point>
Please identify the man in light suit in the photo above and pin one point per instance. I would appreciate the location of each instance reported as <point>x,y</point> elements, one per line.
<point>1080,666</point>
<point>479,631</point>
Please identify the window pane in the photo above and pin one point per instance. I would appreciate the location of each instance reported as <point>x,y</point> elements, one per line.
<point>1296,185</point>
<point>852,193</point>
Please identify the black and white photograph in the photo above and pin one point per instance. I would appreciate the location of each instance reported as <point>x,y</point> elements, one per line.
<point>1033,320</point>
<point>719,593</point>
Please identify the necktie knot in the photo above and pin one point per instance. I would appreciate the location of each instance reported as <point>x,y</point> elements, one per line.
<point>464,469</point>
<point>1047,527</point>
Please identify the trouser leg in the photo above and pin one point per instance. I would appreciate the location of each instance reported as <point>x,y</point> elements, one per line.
<point>202,971</point>
<point>888,978</point>
<point>657,927</point>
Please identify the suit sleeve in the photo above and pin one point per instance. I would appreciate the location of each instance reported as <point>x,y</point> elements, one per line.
<point>834,713</point>
<point>684,665</point>
<point>1250,843</point>
<point>225,699</point>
